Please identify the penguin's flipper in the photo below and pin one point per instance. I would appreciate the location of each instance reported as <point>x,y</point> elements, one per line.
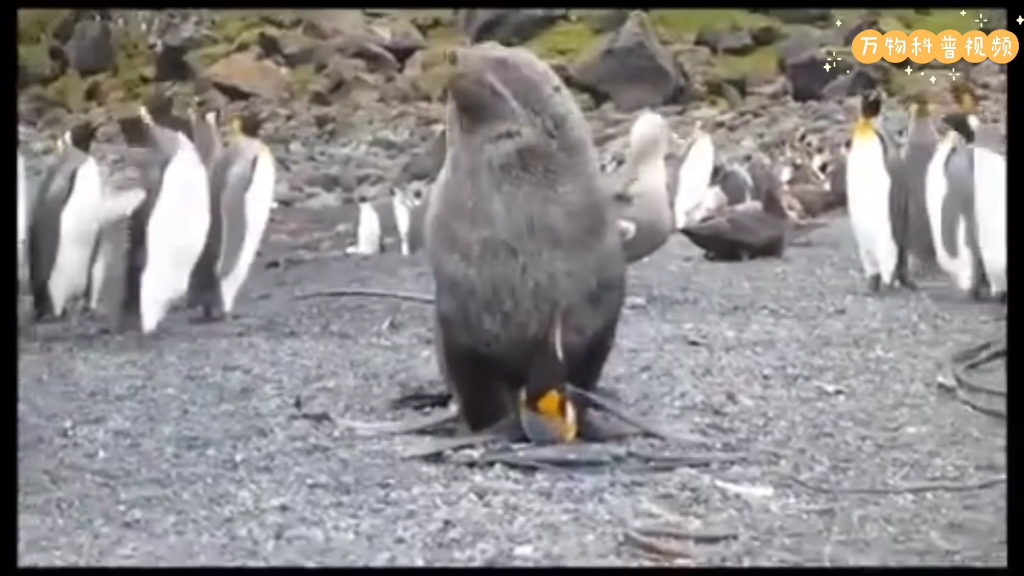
<point>237,180</point>
<point>120,205</point>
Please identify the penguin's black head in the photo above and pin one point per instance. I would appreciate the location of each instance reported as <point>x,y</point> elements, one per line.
<point>958,122</point>
<point>361,198</point>
<point>250,124</point>
<point>871,104</point>
<point>82,135</point>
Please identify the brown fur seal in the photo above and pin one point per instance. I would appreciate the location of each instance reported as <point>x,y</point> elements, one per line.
<point>641,188</point>
<point>743,231</point>
<point>524,249</point>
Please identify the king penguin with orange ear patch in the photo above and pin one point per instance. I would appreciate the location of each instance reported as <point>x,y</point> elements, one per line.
<point>242,189</point>
<point>168,230</point>
<point>870,174</point>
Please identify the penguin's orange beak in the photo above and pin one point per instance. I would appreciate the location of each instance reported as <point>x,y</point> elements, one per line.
<point>558,414</point>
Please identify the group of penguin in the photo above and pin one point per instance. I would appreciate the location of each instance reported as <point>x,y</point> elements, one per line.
<point>939,200</point>
<point>192,230</point>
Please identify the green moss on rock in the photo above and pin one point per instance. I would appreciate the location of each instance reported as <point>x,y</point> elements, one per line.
<point>564,41</point>
<point>681,26</point>
<point>36,26</point>
<point>763,61</point>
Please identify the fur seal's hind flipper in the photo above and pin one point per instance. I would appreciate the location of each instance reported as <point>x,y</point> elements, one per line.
<point>507,430</point>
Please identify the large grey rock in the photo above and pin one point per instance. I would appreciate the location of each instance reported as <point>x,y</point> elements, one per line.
<point>631,68</point>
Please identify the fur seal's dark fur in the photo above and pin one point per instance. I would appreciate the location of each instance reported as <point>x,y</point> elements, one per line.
<point>526,255</point>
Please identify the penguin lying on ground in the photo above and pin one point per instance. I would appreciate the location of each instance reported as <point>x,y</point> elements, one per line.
<point>242,193</point>
<point>692,194</point>
<point>168,231</point>
<point>871,170</point>
<point>70,210</point>
<point>640,188</point>
<point>966,199</point>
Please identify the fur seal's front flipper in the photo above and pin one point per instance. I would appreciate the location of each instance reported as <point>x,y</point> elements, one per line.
<point>507,430</point>
<point>422,400</point>
<point>591,400</point>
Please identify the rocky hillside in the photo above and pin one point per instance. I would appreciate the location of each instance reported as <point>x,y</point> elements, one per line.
<point>75,61</point>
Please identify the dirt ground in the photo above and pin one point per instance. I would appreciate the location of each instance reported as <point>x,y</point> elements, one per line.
<point>188,448</point>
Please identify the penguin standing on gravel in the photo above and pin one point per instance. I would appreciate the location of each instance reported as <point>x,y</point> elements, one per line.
<point>368,228</point>
<point>168,230</point>
<point>23,219</point>
<point>691,196</point>
<point>966,198</point>
<point>64,224</point>
<point>205,134</point>
<point>242,194</point>
<point>870,175</point>
<point>921,142</point>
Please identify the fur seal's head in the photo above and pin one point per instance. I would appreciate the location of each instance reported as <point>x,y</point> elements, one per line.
<point>959,126</point>
<point>649,138</point>
<point>497,91</point>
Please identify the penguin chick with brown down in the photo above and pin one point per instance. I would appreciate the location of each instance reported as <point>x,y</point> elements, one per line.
<point>640,188</point>
<point>524,248</point>
<point>241,196</point>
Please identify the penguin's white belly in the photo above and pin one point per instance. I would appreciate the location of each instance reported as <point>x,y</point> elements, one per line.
<point>258,200</point>
<point>990,212</point>
<point>368,233</point>
<point>79,226</point>
<point>694,177</point>
<point>960,267</point>
<point>175,234</point>
<point>868,186</point>
<point>402,219</point>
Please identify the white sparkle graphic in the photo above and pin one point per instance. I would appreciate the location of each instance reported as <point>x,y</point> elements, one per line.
<point>933,79</point>
<point>1020,20</point>
<point>839,22</point>
<point>827,66</point>
<point>981,20</point>
<point>834,61</point>
<point>963,12</point>
<point>954,74</point>
<point>909,70</point>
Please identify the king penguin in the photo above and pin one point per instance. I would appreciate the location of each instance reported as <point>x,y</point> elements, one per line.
<point>694,179</point>
<point>64,224</point>
<point>242,187</point>
<point>921,141</point>
<point>871,164</point>
<point>23,219</point>
<point>168,230</point>
<point>205,134</point>
<point>369,236</point>
<point>966,199</point>
<point>640,188</point>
